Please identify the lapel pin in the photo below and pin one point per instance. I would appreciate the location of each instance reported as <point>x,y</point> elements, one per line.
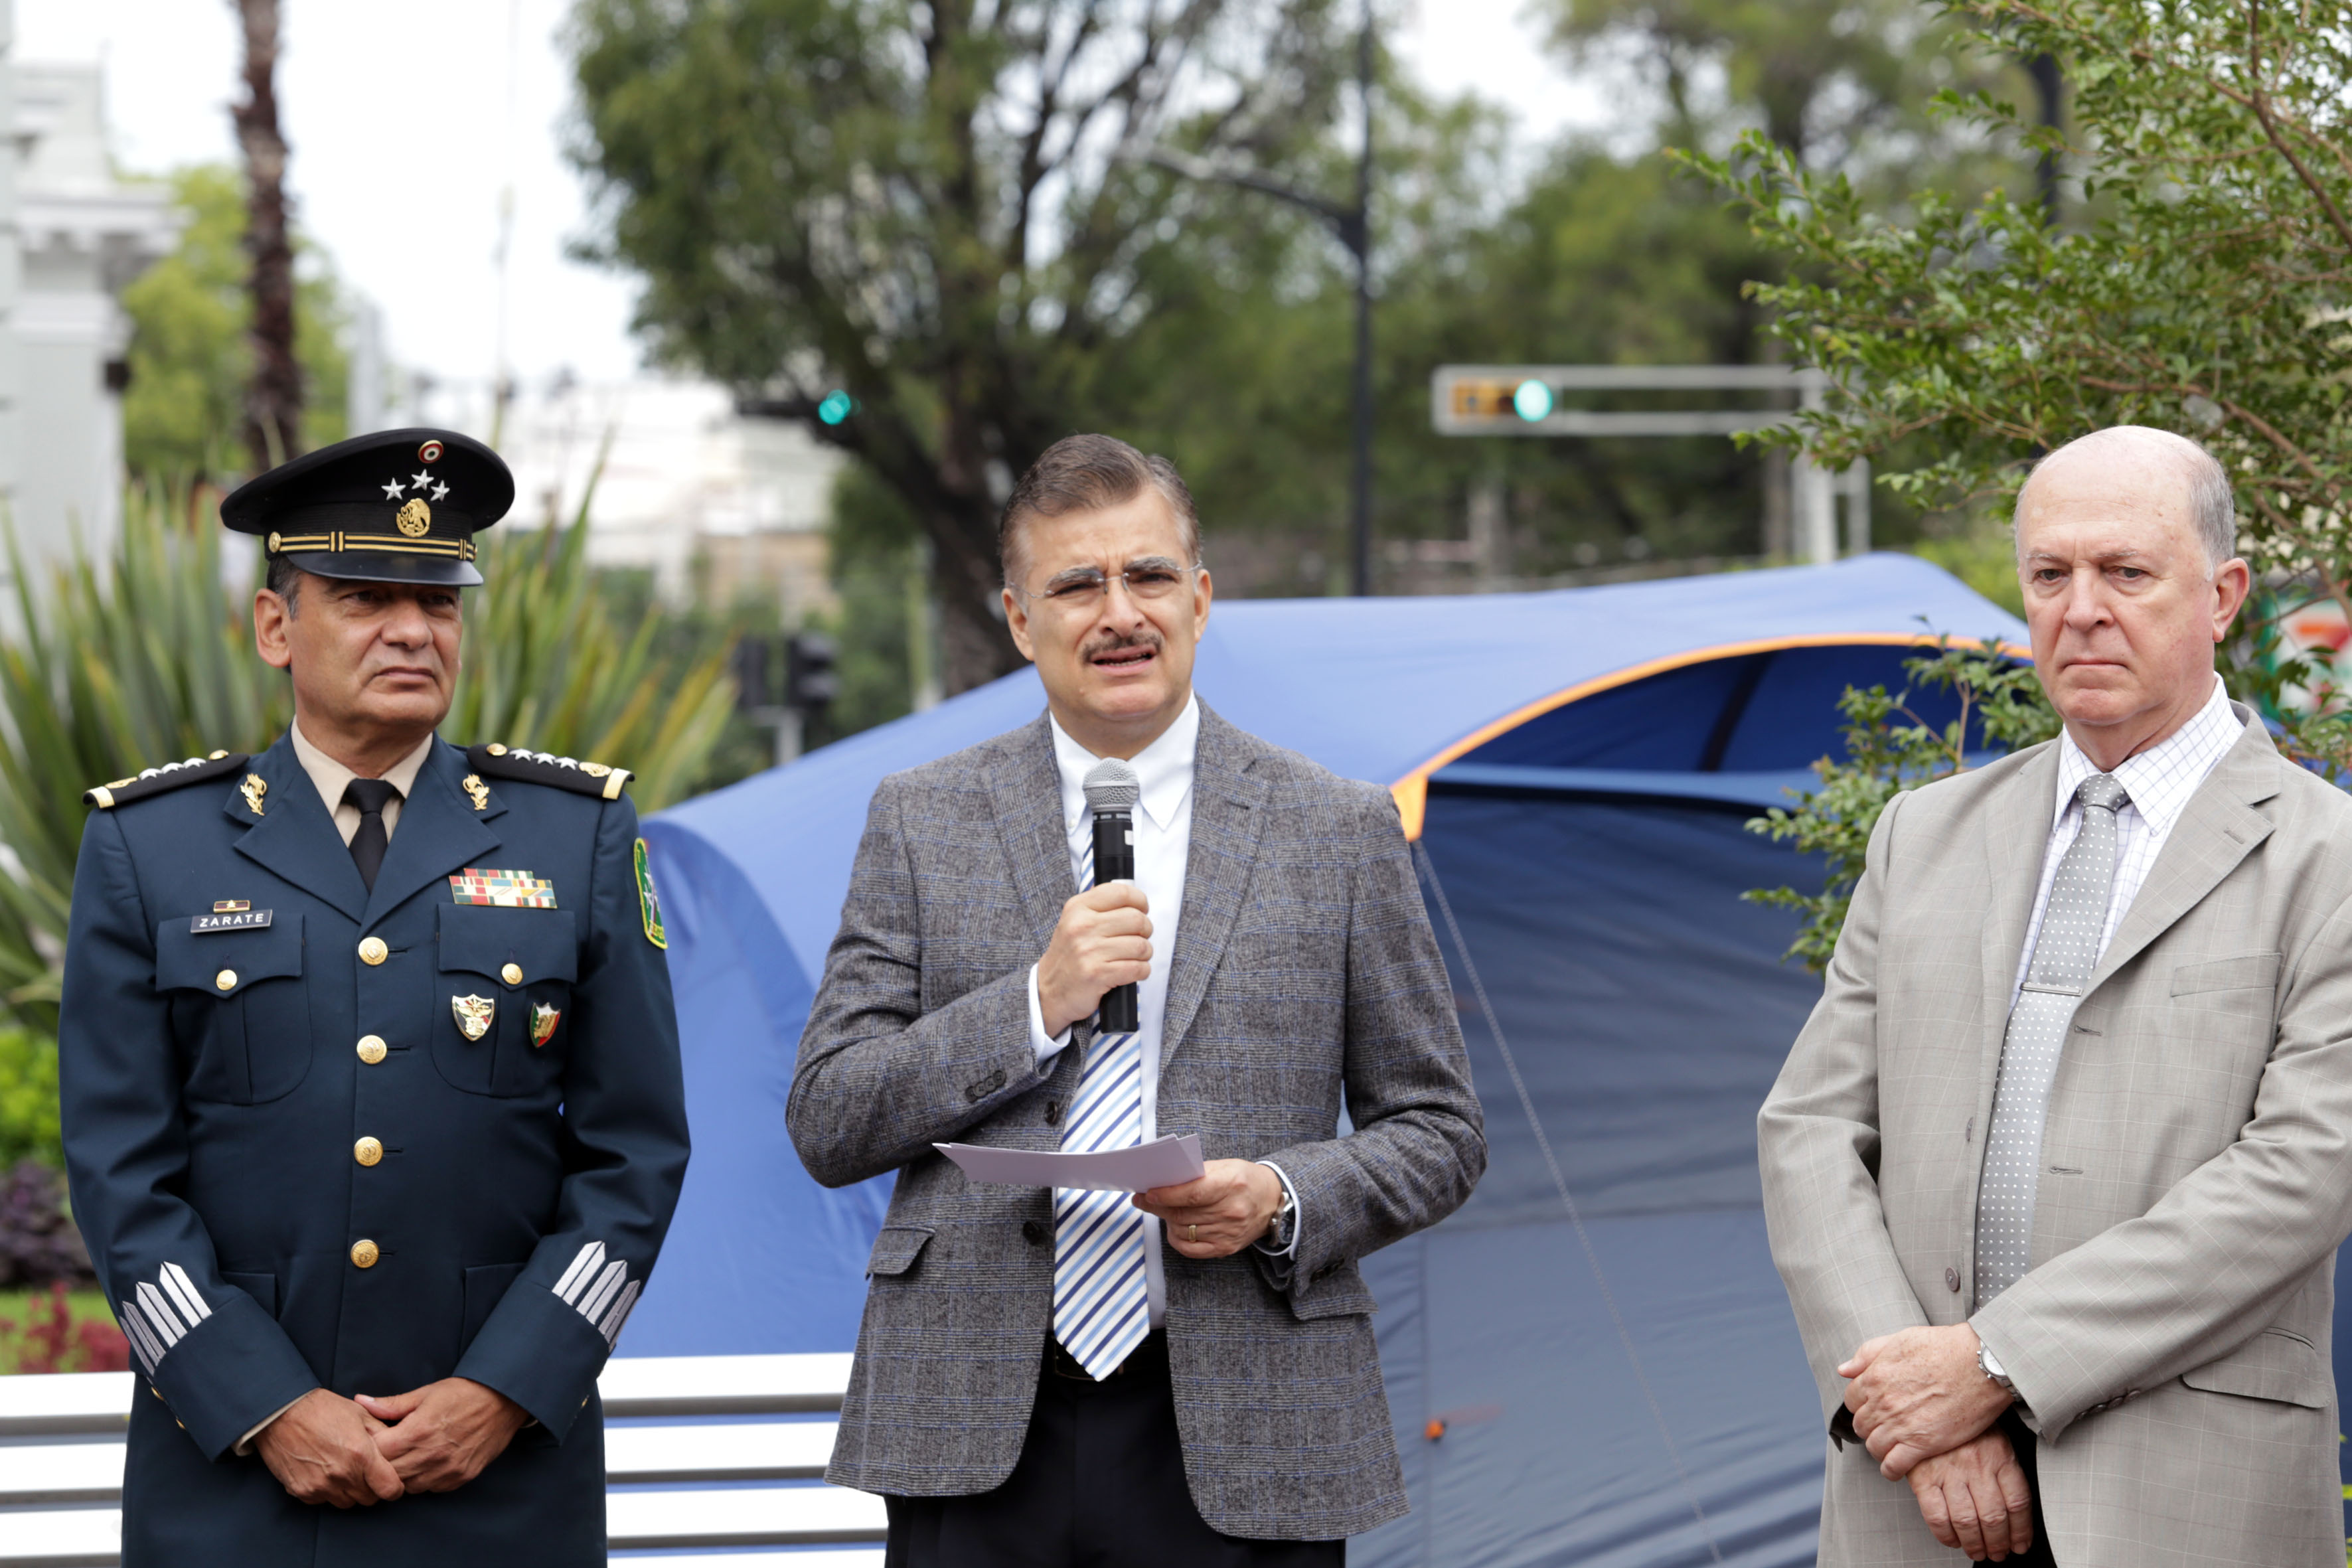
<point>474,1015</point>
<point>479,791</point>
<point>253,789</point>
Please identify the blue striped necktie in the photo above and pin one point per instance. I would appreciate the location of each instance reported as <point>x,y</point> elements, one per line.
<point>1101,1308</point>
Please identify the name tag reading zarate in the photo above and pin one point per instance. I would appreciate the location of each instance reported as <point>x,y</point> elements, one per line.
<point>238,920</point>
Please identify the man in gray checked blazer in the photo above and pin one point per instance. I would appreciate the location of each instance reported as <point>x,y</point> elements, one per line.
<point>2057,1170</point>
<point>1187,1378</point>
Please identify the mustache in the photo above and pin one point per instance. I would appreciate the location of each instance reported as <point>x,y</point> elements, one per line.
<point>1119,640</point>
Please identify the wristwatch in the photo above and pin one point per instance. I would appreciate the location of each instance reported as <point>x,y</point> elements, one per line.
<point>1990,1365</point>
<point>1277,1232</point>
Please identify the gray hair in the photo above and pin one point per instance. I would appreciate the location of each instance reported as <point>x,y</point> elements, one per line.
<point>2212,505</point>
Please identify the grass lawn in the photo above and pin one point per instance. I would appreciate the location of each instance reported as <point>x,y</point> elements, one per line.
<point>30,1340</point>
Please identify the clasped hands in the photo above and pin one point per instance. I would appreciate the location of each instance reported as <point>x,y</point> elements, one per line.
<point>1102,941</point>
<point>354,1453</point>
<point>1926,1411</point>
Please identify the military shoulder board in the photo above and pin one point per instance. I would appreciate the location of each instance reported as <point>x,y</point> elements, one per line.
<point>537,767</point>
<point>170,775</point>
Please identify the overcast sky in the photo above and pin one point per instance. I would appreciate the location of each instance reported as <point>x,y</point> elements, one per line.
<point>407,122</point>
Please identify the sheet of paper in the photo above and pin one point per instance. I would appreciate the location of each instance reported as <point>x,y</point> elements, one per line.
<point>1162,1163</point>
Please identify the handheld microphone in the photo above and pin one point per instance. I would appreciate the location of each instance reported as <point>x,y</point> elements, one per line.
<point>1112,790</point>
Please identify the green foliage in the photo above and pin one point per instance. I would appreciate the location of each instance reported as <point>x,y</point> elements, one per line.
<point>1890,749</point>
<point>2213,143</point>
<point>28,1099</point>
<point>190,358</point>
<point>147,657</point>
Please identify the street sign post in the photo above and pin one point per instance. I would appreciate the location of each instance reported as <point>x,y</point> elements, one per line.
<point>1525,400</point>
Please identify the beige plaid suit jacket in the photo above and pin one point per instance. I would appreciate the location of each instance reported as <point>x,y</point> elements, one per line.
<point>2171,1339</point>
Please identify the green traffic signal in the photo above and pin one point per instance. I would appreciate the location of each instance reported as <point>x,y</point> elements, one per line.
<point>837,407</point>
<point>1532,401</point>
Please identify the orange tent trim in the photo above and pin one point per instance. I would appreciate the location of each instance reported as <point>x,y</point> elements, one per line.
<point>1412,792</point>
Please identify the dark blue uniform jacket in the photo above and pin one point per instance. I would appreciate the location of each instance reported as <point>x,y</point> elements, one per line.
<point>218,1084</point>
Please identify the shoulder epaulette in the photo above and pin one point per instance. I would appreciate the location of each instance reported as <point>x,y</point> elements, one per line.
<point>170,775</point>
<point>537,767</point>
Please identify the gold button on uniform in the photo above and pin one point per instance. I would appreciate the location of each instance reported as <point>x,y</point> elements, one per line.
<point>372,950</point>
<point>371,1049</point>
<point>511,974</point>
<point>367,1151</point>
<point>364,1254</point>
<point>226,980</point>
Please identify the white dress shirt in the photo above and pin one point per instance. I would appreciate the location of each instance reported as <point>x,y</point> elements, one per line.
<point>2159,781</point>
<point>1163,840</point>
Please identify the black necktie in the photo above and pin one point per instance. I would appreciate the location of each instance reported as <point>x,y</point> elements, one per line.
<point>370,795</point>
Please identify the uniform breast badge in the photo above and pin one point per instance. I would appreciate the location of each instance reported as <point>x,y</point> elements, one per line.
<point>478,791</point>
<point>254,788</point>
<point>474,1015</point>
<point>544,1019</point>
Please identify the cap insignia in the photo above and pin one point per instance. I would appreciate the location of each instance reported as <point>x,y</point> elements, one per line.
<point>429,453</point>
<point>416,519</point>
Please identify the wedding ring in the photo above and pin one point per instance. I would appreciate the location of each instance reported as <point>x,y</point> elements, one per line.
<point>1195,1233</point>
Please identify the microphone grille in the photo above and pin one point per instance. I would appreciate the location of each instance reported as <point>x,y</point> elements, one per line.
<point>1111,785</point>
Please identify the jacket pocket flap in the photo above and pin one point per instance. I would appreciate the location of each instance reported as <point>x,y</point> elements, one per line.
<point>483,939</point>
<point>896,1249</point>
<point>2253,971</point>
<point>187,959</point>
<point>2274,1364</point>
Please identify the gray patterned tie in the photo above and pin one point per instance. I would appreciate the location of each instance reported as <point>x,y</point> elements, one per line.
<point>2064,952</point>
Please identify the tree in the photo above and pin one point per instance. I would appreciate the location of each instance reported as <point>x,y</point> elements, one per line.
<point>273,403</point>
<point>2205,294</point>
<point>933,208</point>
<point>191,350</point>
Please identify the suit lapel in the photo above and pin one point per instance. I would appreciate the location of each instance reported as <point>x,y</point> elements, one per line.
<point>2019,833</point>
<point>2218,827</point>
<point>1024,790</point>
<point>1228,817</point>
<point>439,832</point>
<point>294,837</point>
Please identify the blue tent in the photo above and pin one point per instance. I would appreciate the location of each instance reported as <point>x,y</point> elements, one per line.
<point>1593,1362</point>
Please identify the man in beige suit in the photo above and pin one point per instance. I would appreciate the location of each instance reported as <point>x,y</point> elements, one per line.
<point>2056,1172</point>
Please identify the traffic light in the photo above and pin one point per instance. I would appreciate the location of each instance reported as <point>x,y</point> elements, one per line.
<point>810,683</point>
<point>755,664</point>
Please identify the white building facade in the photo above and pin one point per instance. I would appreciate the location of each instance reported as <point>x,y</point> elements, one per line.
<point>72,237</point>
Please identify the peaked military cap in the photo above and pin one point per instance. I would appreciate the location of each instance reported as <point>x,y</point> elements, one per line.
<point>398,506</point>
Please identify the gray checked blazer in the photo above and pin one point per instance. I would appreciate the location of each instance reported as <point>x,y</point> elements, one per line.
<point>2170,1341</point>
<point>1304,970</point>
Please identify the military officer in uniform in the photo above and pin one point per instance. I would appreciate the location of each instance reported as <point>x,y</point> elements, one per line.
<point>372,1098</point>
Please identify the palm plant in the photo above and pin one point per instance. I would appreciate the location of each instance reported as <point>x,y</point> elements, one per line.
<point>147,657</point>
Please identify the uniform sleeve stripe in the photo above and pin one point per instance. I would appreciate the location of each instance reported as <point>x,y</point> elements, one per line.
<point>583,1266</point>
<point>182,1292</point>
<point>619,1314</point>
<point>159,1312</point>
<point>606,1284</point>
<point>150,1353</point>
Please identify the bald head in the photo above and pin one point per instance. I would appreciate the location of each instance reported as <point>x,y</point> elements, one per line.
<point>2140,456</point>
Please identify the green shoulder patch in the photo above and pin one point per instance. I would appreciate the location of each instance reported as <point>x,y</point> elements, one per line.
<point>649,901</point>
